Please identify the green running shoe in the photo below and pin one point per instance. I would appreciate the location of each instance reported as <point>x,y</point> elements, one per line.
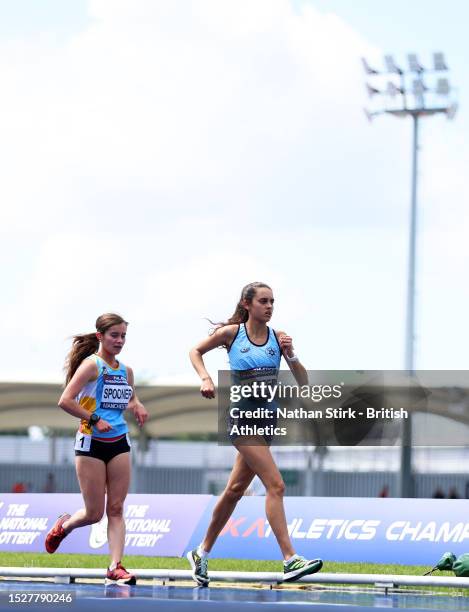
<point>199,567</point>
<point>299,566</point>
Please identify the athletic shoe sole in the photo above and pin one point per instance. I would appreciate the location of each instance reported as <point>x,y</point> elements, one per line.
<point>121,582</point>
<point>312,568</point>
<point>200,581</point>
<point>60,520</point>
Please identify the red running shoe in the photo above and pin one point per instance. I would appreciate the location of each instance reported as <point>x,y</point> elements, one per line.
<point>120,575</point>
<point>56,534</point>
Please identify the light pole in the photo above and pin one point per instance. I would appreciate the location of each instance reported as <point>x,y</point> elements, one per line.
<point>406,94</point>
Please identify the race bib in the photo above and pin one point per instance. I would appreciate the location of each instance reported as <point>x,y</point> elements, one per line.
<point>82,442</point>
<point>116,392</point>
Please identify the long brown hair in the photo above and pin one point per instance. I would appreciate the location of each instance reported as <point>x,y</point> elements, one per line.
<point>84,345</point>
<point>241,314</point>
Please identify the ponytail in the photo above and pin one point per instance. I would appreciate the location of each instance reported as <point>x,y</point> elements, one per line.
<point>240,315</point>
<point>83,346</point>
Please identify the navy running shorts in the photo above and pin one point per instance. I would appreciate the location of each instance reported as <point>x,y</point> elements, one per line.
<point>106,451</point>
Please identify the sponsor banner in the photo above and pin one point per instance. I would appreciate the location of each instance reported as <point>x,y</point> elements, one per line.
<point>158,525</point>
<point>407,531</point>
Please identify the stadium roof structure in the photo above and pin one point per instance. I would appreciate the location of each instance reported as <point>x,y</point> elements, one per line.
<point>173,410</point>
<point>181,410</point>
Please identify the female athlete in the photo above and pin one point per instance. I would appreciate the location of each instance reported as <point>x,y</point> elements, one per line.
<point>98,390</point>
<point>254,352</point>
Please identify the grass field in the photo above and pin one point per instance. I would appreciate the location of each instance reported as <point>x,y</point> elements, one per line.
<point>134,562</point>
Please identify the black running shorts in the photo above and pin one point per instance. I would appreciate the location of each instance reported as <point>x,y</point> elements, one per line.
<point>106,450</point>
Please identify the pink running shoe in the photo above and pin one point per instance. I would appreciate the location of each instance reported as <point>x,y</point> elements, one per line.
<point>56,534</point>
<point>120,575</point>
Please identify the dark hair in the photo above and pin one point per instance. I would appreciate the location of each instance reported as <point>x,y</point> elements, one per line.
<point>241,314</point>
<point>84,345</point>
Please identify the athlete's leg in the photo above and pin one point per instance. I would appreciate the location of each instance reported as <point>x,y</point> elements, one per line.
<point>117,483</point>
<point>240,478</point>
<point>91,474</point>
<point>260,460</point>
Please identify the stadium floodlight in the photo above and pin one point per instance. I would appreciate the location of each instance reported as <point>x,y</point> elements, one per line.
<point>442,87</point>
<point>411,82</point>
<point>452,110</point>
<point>372,91</point>
<point>414,64</point>
<point>393,90</point>
<point>439,62</point>
<point>391,65</point>
<point>368,69</point>
<point>369,115</point>
<point>418,87</point>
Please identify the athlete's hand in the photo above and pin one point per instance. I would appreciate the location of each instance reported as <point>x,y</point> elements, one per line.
<point>286,344</point>
<point>140,412</point>
<point>207,388</point>
<point>103,426</point>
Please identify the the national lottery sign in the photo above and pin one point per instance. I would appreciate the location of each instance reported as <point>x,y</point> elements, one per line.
<point>156,525</point>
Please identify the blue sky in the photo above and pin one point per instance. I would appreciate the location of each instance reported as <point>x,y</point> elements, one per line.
<point>158,156</point>
<point>398,24</point>
<point>29,17</point>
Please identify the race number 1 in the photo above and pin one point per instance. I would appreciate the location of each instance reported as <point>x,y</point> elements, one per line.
<point>82,442</point>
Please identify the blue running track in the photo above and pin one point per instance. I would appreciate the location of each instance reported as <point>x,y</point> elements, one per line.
<point>147,598</point>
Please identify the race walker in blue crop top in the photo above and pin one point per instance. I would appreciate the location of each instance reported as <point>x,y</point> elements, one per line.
<point>253,363</point>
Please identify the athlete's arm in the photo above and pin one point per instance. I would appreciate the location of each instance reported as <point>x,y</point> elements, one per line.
<point>86,372</point>
<point>135,405</point>
<point>297,368</point>
<point>223,336</point>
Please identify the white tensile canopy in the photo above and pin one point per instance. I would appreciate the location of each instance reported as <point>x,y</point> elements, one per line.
<point>173,410</point>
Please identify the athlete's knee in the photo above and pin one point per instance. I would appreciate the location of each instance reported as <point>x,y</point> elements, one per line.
<point>235,491</point>
<point>276,487</point>
<point>115,508</point>
<point>94,515</point>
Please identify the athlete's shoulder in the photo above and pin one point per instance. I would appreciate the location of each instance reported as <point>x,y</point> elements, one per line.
<point>231,329</point>
<point>277,335</point>
<point>86,372</point>
<point>231,335</point>
<point>90,365</point>
<point>130,374</point>
<point>226,333</point>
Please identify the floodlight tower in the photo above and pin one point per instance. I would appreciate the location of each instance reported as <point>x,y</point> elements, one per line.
<point>403,93</point>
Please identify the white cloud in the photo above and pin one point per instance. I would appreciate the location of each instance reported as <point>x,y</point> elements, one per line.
<point>172,152</point>
<point>245,93</point>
